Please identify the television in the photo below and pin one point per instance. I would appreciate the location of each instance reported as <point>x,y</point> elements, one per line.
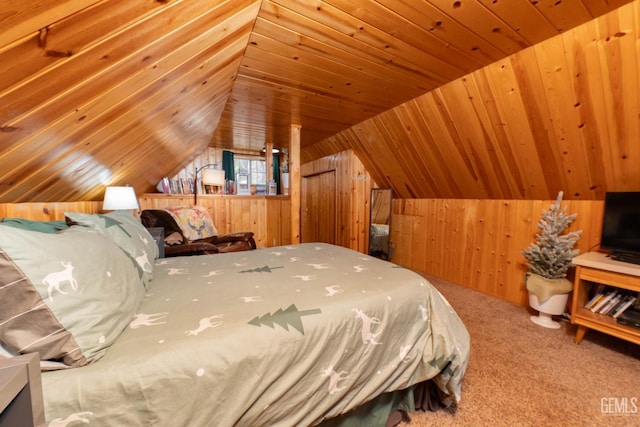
<point>621,226</point>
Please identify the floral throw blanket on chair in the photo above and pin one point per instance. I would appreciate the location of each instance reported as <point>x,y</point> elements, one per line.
<point>194,221</point>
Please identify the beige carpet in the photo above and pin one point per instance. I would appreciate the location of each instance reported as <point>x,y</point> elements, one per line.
<point>521,374</point>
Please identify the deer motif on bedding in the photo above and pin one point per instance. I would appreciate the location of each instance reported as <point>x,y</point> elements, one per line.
<point>143,239</point>
<point>424,312</point>
<point>143,319</point>
<point>321,266</point>
<point>143,262</point>
<point>333,290</point>
<point>251,299</point>
<point>304,278</point>
<point>213,273</point>
<point>56,279</point>
<point>334,378</point>
<point>404,353</point>
<point>76,416</point>
<point>206,323</point>
<point>368,337</point>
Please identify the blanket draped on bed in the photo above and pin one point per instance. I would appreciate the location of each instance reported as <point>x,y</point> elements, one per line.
<point>290,335</point>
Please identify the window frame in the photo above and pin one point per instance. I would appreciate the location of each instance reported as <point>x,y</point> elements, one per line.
<point>255,175</point>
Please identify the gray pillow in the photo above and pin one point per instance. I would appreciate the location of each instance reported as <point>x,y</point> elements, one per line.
<point>67,296</point>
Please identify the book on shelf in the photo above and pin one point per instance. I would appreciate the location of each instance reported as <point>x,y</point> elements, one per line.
<point>611,301</point>
<point>597,295</point>
<point>629,301</point>
<point>177,186</point>
<point>604,300</point>
<point>612,304</point>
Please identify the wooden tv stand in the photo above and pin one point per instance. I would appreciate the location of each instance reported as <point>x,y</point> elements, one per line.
<point>593,268</point>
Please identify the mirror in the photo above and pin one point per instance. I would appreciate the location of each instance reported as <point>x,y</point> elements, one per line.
<point>380,223</point>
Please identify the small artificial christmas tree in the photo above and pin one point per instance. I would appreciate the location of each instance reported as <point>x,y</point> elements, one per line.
<point>551,256</point>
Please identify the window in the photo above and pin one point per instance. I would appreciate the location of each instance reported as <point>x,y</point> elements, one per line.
<point>256,169</point>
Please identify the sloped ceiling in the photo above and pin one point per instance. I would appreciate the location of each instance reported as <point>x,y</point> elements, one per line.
<point>563,115</point>
<point>96,93</point>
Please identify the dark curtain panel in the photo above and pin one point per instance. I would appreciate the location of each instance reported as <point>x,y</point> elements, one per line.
<point>227,165</point>
<point>276,173</point>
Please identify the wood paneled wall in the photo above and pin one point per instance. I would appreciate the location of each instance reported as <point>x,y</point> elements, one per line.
<point>353,197</point>
<point>50,211</point>
<point>268,217</point>
<point>561,115</point>
<point>477,243</point>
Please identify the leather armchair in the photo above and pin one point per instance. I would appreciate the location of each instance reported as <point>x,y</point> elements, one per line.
<point>177,244</point>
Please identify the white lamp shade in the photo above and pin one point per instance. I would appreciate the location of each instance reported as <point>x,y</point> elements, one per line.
<point>213,177</point>
<point>119,198</point>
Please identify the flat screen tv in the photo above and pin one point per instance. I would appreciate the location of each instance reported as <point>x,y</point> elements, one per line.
<point>621,226</point>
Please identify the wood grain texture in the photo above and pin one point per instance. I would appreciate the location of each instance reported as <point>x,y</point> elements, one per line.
<point>294,182</point>
<point>561,115</point>
<point>119,105</point>
<point>318,214</point>
<point>477,243</point>
<point>21,18</point>
<point>267,217</point>
<point>108,92</point>
<point>51,211</point>
<point>352,193</point>
<point>261,214</point>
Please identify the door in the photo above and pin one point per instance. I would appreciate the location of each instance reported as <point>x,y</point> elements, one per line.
<point>318,206</point>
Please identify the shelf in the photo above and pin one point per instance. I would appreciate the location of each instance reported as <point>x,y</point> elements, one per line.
<point>593,269</point>
<point>606,320</point>
<point>601,261</point>
<point>617,280</point>
<point>606,324</point>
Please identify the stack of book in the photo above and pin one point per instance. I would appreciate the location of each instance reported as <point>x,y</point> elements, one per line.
<point>611,301</point>
<point>176,186</point>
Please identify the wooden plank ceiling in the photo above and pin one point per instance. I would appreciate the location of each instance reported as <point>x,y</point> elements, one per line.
<point>109,92</point>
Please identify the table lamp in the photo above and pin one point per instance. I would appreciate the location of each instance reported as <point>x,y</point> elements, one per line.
<point>120,198</point>
<point>213,177</point>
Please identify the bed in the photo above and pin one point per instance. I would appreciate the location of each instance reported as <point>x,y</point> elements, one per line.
<point>291,335</point>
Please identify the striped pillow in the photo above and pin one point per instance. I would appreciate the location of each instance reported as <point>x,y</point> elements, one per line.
<point>67,296</point>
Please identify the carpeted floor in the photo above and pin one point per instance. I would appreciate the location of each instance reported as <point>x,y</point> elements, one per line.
<point>521,374</point>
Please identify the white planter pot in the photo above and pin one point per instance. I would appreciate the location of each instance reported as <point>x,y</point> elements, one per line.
<point>554,305</point>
